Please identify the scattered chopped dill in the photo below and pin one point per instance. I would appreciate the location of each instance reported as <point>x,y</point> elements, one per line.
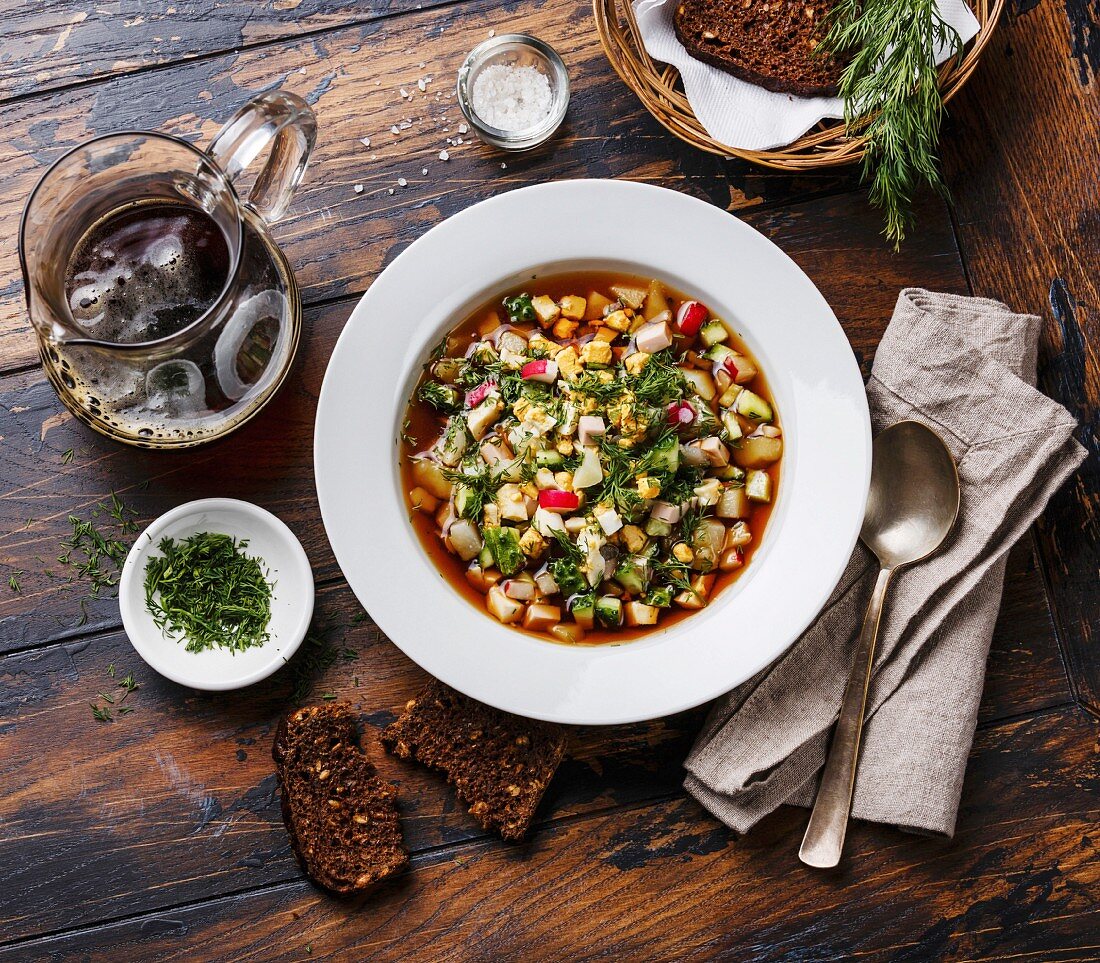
<point>207,590</point>
<point>329,696</point>
<point>106,698</point>
<point>100,715</point>
<point>111,670</point>
<point>125,710</point>
<point>67,456</point>
<point>13,581</point>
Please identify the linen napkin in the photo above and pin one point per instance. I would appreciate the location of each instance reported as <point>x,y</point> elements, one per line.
<point>965,367</point>
<point>741,114</point>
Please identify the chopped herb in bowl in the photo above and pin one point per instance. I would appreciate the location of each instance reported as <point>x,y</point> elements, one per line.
<point>208,590</point>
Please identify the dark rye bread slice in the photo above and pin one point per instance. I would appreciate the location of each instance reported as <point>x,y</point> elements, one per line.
<point>769,43</point>
<point>341,817</point>
<point>499,764</point>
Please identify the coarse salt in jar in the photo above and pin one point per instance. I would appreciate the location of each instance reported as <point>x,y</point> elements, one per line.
<point>514,91</point>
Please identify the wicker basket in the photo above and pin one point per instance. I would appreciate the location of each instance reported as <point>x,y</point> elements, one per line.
<point>824,145</point>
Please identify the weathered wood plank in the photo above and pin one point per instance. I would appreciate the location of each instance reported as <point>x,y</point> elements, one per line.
<point>338,239</point>
<point>175,801</point>
<point>835,239</point>
<point>665,882</point>
<point>1022,166</point>
<point>70,41</point>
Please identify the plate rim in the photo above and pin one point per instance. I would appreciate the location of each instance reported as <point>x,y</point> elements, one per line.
<point>414,649</point>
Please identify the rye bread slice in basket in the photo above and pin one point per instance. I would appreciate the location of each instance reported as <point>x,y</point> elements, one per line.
<point>499,764</point>
<point>769,43</point>
<point>341,816</point>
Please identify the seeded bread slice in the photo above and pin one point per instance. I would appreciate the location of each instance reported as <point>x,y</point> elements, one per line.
<point>499,764</point>
<point>769,43</point>
<point>341,817</point>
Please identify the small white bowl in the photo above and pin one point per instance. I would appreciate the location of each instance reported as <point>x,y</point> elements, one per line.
<point>218,670</point>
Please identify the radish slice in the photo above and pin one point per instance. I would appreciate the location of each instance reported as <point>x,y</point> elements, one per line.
<point>543,370</point>
<point>690,317</point>
<point>476,396</point>
<point>730,367</point>
<point>680,413</point>
<point>556,500</point>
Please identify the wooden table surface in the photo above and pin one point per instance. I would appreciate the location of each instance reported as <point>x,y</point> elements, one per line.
<point>158,836</point>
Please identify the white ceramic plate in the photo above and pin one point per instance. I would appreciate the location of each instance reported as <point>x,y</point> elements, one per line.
<point>550,229</point>
<point>291,602</point>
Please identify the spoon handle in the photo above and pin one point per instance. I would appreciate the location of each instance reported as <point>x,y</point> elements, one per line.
<point>824,839</point>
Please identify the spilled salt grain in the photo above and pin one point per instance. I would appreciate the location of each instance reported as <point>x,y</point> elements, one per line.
<point>423,170</point>
<point>463,128</point>
<point>443,155</point>
<point>365,141</point>
<point>394,129</point>
<point>423,86</point>
<point>511,98</point>
<point>358,188</point>
<point>401,182</point>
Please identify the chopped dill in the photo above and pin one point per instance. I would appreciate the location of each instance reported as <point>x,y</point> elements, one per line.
<point>101,714</point>
<point>13,581</point>
<point>67,456</point>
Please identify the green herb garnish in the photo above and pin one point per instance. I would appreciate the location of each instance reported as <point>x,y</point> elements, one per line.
<point>892,96</point>
<point>209,591</point>
<point>520,308</point>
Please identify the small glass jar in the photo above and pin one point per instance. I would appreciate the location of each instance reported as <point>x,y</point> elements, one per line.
<point>515,50</point>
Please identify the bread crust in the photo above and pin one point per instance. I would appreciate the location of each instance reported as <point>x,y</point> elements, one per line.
<point>770,48</point>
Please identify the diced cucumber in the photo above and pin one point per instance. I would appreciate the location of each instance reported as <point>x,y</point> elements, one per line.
<point>751,405</point>
<point>583,608</point>
<point>656,528</point>
<point>666,455</point>
<point>485,557</point>
<point>504,544</point>
<point>713,332</point>
<point>465,503</point>
<point>661,596</point>
<point>731,425</point>
<point>729,473</point>
<point>729,396</point>
<point>631,575</point>
<point>718,353</point>
<point>609,611</point>
<point>548,458</point>
<point>758,486</point>
<point>568,576</point>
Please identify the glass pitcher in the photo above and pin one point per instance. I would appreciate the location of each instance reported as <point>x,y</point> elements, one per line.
<point>165,313</point>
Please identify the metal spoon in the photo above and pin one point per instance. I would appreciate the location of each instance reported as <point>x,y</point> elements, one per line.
<point>911,507</point>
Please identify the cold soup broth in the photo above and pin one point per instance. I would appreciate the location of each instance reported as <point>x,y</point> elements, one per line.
<point>591,457</point>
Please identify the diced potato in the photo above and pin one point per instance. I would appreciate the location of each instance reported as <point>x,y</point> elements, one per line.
<point>522,588</point>
<point>756,451</point>
<point>506,609</point>
<point>746,370</point>
<point>590,471</point>
<point>568,632</point>
<point>443,515</point>
<point>732,558</point>
<point>631,295</point>
<point>638,613</point>
<point>573,307</point>
<point>596,303</point>
<point>465,539</point>
<point>702,382</point>
<point>718,455</point>
<point>546,310</point>
<point>635,362</point>
<point>701,586</point>
<point>733,503</point>
<point>606,334</point>
<point>482,579</point>
<point>738,536</point>
<point>732,426</point>
<point>423,501</point>
<point>758,486</point>
<point>429,476</point>
<point>544,479</point>
<point>540,617</point>
<point>656,300</point>
<point>511,502</point>
<point>540,343</point>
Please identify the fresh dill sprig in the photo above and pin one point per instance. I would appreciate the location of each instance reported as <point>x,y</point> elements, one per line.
<point>67,456</point>
<point>479,488</point>
<point>101,714</point>
<point>891,96</point>
<point>13,581</point>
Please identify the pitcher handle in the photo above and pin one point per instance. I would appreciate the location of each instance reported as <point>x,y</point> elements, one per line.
<point>285,122</point>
